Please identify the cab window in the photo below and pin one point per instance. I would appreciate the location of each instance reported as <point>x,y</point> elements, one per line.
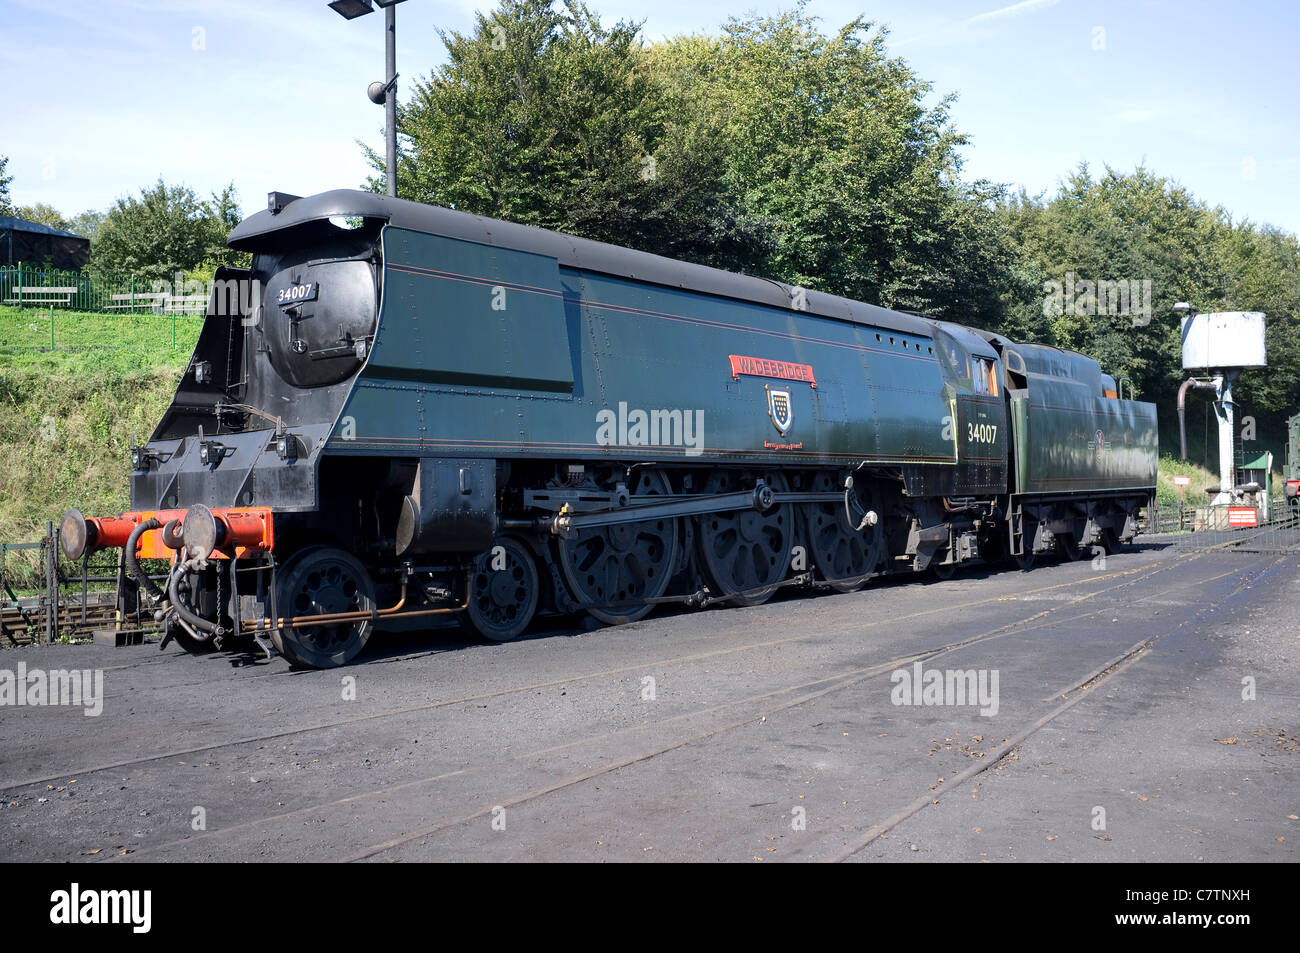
<point>984,377</point>
<point>953,358</point>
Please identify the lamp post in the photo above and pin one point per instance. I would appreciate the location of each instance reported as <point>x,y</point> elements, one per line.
<point>384,92</point>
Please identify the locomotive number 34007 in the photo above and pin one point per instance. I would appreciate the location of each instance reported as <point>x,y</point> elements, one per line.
<point>295,293</point>
<point>981,433</point>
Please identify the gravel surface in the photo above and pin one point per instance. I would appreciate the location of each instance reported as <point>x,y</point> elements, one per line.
<point>766,734</point>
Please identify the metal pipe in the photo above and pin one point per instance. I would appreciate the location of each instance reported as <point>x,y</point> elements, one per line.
<point>333,618</point>
<point>390,98</point>
<point>1182,421</point>
<point>193,633</point>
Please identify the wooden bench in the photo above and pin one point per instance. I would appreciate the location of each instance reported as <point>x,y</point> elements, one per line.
<point>186,304</point>
<point>160,302</point>
<point>141,299</point>
<point>43,295</point>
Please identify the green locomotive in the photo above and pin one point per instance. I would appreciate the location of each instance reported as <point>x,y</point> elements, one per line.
<point>427,411</point>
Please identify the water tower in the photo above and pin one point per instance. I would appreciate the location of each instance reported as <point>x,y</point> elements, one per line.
<point>1220,345</point>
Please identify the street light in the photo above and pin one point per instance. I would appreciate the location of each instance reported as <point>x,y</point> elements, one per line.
<point>386,91</point>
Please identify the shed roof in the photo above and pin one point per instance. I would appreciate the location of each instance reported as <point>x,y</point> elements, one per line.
<point>10,223</point>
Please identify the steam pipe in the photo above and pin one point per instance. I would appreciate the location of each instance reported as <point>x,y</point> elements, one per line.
<point>336,618</point>
<point>1182,421</point>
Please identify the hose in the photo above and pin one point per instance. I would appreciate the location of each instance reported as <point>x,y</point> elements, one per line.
<point>184,611</point>
<point>133,565</point>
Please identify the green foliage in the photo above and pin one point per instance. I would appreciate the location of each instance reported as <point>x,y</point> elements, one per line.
<point>86,224</point>
<point>544,116</point>
<point>830,140</point>
<point>1139,226</point>
<point>1167,494</point>
<point>67,416</point>
<point>770,149</point>
<point>6,208</point>
<point>168,229</point>
<point>45,215</point>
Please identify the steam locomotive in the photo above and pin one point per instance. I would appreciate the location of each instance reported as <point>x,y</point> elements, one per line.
<point>402,411</point>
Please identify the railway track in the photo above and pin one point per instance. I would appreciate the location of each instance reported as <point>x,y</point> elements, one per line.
<point>592,755</point>
<point>1131,577</point>
<point>735,714</point>
<point>812,691</point>
<point>25,622</point>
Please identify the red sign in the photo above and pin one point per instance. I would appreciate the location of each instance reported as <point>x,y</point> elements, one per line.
<point>1242,516</point>
<point>1182,481</point>
<point>763,367</point>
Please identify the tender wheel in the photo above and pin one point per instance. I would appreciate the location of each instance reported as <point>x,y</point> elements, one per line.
<point>623,563</point>
<point>845,559</point>
<point>1069,547</point>
<point>745,553</point>
<point>323,580</point>
<point>503,591</point>
<point>943,571</point>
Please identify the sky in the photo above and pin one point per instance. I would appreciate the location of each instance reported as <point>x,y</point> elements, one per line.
<point>104,96</point>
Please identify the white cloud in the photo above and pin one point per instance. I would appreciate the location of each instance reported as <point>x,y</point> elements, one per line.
<point>1015,10</point>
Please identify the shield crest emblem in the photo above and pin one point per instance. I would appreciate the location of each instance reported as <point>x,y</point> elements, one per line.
<point>1099,442</point>
<point>780,409</point>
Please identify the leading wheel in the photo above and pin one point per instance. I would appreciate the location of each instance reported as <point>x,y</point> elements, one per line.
<point>322,581</point>
<point>190,644</point>
<point>503,591</point>
<point>611,570</point>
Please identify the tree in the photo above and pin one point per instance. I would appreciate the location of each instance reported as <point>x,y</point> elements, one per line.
<point>167,229</point>
<point>5,207</point>
<point>1141,227</point>
<point>770,149</point>
<point>45,215</point>
<point>831,140</point>
<point>544,116</point>
<point>819,160</point>
<point>86,224</point>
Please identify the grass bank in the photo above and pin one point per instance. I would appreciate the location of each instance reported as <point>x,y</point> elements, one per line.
<point>67,414</point>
